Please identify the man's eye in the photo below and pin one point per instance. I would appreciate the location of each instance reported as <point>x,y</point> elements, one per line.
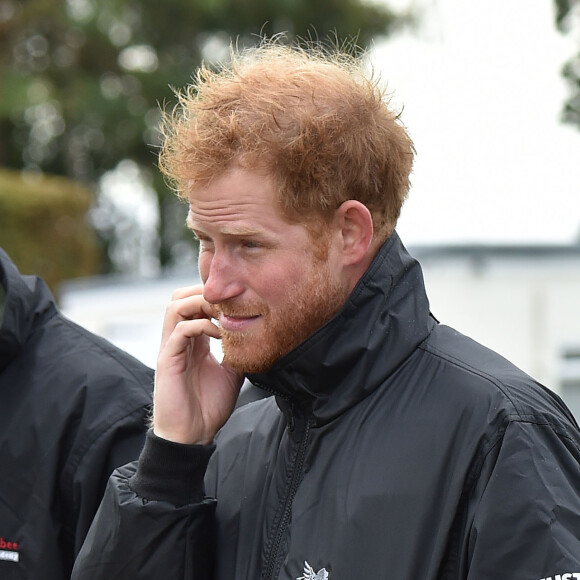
<point>250,244</point>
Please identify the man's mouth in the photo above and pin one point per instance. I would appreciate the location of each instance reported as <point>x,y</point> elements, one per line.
<point>237,323</point>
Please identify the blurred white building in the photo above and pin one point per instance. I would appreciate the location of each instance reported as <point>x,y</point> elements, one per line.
<point>523,302</point>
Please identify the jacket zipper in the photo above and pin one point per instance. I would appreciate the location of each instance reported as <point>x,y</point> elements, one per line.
<point>272,565</point>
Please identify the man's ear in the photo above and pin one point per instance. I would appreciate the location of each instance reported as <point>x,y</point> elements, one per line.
<point>355,224</point>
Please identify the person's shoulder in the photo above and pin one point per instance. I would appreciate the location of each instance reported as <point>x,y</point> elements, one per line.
<point>89,374</point>
<point>475,373</point>
<point>96,354</point>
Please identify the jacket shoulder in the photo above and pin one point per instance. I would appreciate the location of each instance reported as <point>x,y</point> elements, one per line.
<point>472,370</point>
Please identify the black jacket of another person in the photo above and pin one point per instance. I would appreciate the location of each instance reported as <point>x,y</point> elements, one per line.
<point>72,408</point>
<point>395,449</point>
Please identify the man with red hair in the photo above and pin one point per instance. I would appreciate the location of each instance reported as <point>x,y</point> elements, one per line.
<point>393,447</point>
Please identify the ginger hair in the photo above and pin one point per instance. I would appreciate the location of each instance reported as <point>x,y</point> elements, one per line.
<point>310,116</point>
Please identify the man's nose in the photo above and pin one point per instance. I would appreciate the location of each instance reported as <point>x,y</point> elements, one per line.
<point>223,279</point>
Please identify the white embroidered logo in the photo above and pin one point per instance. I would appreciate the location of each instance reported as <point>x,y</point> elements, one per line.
<point>310,574</point>
<point>567,576</point>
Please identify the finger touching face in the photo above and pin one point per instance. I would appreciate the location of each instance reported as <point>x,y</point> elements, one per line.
<point>188,304</point>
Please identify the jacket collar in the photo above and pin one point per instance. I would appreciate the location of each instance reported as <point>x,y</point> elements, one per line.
<point>25,301</point>
<point>385,318</point>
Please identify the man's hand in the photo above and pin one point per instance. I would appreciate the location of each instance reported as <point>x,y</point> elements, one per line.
<point>194,393</point>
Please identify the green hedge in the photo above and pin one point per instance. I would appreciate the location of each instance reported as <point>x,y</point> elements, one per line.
<point>44,228</point>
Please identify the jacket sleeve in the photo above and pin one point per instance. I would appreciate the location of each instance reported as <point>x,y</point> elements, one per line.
<point>526,522</point>
<point>154,521</point>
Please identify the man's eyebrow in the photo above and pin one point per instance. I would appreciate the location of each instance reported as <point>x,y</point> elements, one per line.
<point>226,230</point>
<point>239,231</point>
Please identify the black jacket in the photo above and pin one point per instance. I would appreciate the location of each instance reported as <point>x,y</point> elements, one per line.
<point>72,408</point>
<point>395,449</point>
